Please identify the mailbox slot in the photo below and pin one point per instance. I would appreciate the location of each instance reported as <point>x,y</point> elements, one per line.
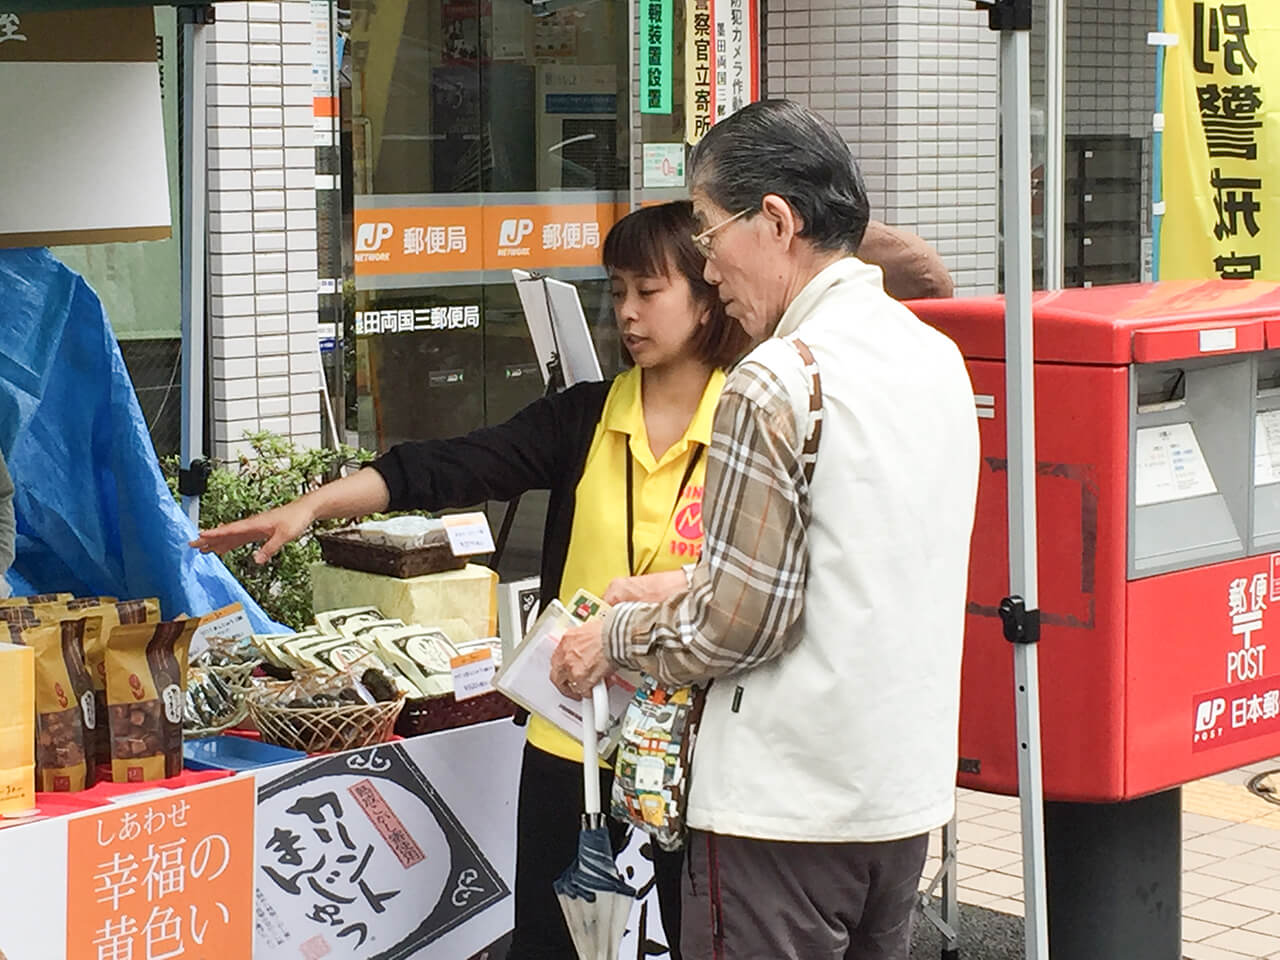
<point>1266,454</point>
<point>1189,455</point>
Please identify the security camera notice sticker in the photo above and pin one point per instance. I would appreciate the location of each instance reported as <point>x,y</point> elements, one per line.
<point>1235,713</point>
<point>359,857</point>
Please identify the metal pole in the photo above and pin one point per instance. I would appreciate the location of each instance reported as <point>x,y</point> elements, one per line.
<point>193,166</point>
<point>945,917</point>
<point>1055,139</point>
<point>1015,92</point>
<point>634,123</point>
<point>950,892</point>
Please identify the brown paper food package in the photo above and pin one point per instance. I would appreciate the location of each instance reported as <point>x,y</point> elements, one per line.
<point>113,613</point>
<point>20,617</point>
<point>50,608</point>
<point>146,685</point>
<point>36,598</point>
<point>65,717</point>
<point>95,657</point>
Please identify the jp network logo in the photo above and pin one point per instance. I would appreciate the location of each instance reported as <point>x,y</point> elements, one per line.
<point>511,237</point>
<point>370,236</point>
<point>369,240</point>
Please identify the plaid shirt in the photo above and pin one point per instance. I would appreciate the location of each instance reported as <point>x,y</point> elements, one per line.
<point>745,596</point>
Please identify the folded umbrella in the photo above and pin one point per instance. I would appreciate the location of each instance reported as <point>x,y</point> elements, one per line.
<point>595,899</point>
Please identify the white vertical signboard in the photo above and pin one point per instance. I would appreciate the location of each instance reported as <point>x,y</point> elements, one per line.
<point>723,73</point>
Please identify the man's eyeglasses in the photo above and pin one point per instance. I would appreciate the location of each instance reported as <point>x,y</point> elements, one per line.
<point>703,239</point>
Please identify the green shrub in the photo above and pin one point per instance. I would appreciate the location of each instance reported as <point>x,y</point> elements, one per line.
<point>278,472</point>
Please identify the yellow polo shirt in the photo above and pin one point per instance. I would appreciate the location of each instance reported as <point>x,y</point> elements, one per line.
<point>668,520</point>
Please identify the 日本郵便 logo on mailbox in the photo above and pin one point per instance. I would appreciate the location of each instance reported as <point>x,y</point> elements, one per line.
<point>1208,713</point>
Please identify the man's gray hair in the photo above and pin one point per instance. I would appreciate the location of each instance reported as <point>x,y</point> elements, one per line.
<point>781,147</point>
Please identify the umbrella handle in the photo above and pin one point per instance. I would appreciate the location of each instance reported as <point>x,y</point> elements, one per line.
<point>590,773</point>
<point>600,699</point>
<point>595,721</point>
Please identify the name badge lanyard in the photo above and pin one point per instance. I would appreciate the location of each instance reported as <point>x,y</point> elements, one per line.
<point>631,507</point>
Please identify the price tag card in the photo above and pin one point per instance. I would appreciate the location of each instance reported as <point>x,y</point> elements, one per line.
<point>469,534</point>
<point>229,623</point>
<point>472,674</point>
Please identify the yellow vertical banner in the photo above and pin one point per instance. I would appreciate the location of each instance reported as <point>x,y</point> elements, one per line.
<point>1221,145</point>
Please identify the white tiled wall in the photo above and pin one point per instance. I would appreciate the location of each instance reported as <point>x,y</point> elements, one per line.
<point>1111,76</point>
<point>262,224</point>
<point>912,85</point>
<point>1110,69</point>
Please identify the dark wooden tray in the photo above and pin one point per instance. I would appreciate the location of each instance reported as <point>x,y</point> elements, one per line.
<point>427,715</point>
<point>346,548</point>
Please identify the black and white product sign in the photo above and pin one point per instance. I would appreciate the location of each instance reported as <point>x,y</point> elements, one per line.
<point>360,857</point>
<point>528,601</point>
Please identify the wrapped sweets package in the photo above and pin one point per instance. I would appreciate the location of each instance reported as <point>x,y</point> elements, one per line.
<point>17,728</point>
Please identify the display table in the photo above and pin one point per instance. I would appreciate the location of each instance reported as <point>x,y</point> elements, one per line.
<point>403,849</point>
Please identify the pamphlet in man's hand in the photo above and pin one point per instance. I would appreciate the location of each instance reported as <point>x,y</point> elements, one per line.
<point>526,677</point>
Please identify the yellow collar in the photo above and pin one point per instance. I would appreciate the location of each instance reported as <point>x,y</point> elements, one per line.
<point>624,413</point>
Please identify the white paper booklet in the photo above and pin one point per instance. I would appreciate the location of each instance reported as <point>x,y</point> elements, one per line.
<point>526,679</point>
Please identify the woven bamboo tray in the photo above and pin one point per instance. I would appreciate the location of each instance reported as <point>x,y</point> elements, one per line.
<point>325,729</point>
<point>346,548</point>
<point>429,714</point>
<point>236,676</point>
<point>235,718</point>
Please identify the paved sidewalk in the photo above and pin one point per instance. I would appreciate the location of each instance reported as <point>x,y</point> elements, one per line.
<point>1230,865</point>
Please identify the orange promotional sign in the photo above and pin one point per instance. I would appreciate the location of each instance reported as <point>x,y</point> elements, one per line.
<point>441,239</point>
<point>168,878</point>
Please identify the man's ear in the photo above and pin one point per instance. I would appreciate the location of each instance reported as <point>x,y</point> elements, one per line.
<point>783,222</point>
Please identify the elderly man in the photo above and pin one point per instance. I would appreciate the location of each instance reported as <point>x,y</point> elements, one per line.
<point>829,614</point>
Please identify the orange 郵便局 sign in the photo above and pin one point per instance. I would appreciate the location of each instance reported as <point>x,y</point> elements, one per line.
<point>168,877</point>
<point>429,239</point>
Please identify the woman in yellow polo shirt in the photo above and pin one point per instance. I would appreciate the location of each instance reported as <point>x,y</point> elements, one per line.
<point>625,464</point>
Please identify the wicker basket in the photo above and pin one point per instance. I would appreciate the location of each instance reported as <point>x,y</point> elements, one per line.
<point>429,714</point>
<point>346,548</point>
<point>325,729</point>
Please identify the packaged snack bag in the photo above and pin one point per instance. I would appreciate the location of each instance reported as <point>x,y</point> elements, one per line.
<point>423,654</point>
<point>146,692</point>
<point>35,598</point>
<point>17,729</point>
<point>20,616</point>
<point>112,612</point>
<point>83,603</point>
<point>336,621</point>
<point>95,658</point>
<point>65,716</point>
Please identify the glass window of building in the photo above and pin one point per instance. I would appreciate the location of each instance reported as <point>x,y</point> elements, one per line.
<point>488,135</point>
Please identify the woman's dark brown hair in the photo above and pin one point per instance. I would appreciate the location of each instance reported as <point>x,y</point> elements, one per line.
<point>651,242</point>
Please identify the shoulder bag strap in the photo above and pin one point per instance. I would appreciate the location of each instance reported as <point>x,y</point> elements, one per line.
<point>809,453</point>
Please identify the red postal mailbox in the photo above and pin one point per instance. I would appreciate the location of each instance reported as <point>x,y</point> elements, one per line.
<point>1158,461</point>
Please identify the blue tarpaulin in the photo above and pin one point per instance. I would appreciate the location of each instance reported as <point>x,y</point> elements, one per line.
<point>94,514</point>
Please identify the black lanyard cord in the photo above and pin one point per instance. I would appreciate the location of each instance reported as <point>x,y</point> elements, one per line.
<point>631,507</point>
